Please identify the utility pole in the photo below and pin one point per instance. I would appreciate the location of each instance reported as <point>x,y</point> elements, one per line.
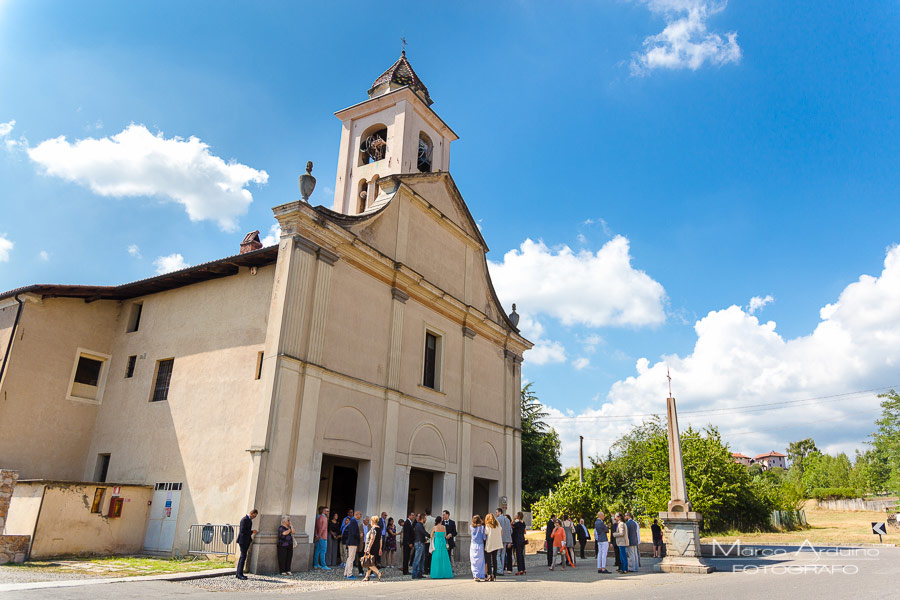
<point>581,458</point>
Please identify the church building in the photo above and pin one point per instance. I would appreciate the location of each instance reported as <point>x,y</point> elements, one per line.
<point>364,362</point>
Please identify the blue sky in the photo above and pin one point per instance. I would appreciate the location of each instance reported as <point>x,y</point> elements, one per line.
<point>691,155</point>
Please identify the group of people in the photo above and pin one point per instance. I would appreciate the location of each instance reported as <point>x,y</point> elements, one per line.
<point>623,533</point>
<point>494,541</point>
<point>369,544</point>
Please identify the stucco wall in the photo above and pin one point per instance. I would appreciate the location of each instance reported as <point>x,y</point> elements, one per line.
<point>200,435</point>
<point>51,434</point>
<point>66,525</point>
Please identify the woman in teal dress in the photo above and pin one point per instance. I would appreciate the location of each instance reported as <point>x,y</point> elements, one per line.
<point>440,559</point>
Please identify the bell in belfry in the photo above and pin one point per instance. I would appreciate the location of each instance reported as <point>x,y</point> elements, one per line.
<point>307,183</point>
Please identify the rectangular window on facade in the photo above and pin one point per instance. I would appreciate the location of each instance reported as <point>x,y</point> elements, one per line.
<point>88,376</point>
<point>129,368</point>
<point>163,378</point>
<point>134,317</point>
<point>259,363</point>
<point>431,377</point>
<point>97,504</point>
<point>102,468</point>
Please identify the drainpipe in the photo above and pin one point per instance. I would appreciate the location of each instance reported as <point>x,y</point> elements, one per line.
<point>12,335</point>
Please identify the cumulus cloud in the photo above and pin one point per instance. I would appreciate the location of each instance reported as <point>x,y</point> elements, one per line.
<point>136,162</point>
<point>756,303</point>
<point>685,43</point>
<point>580,363</point>
<point>273,236</point>
<point>6,247</point>
<point>134,251</point>
<point>6,128</point>
<point>579,288</point>
<point>739,361</point>
<point>544,351</point>
<point>43,255</point>
<point>167,264</point>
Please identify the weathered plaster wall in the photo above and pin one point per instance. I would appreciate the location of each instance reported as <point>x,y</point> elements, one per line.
<point>66,526</point>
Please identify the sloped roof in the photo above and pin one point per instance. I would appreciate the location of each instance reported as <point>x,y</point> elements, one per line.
<point>222,267</point>
<point>739,455</point>
<point>768,454</point>
<point>401,73</point>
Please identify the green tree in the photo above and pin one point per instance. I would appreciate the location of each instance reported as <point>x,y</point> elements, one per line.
<point>541,469</point>
<point>886,439</point>
<point>798,451</point>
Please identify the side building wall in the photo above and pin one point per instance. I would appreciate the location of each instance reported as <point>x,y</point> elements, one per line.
<point>52,433</point>
<point>199,436</point>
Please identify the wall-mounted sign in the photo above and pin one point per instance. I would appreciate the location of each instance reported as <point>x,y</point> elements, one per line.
<point>116,490</point>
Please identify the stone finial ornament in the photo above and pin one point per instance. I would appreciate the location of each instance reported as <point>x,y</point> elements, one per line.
<point>514,317</point>
<point>307,183</point>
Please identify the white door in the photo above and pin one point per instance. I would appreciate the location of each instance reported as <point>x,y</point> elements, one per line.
<point>163,517</point>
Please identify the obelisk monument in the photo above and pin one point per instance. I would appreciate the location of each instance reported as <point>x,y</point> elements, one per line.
<point>682,525</point>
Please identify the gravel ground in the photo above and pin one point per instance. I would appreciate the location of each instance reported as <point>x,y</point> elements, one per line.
<point>28,575</point>
<point>318,580</point>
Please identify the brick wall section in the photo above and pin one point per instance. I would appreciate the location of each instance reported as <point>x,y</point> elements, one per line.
<point>7,484</point>
<point>13,548</point>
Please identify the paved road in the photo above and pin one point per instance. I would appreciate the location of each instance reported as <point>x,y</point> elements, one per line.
<point>870,573</point>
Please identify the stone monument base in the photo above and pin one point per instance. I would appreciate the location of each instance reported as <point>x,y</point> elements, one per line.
<point>682,544</point>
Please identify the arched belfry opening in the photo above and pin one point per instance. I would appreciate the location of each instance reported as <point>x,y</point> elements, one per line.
<point>373,144</point>
<point>425,153</point>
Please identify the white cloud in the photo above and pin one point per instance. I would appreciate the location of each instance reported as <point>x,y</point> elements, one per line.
<point>134,251</point>
<point>167,264</point>
<point>580,363</point>
<point>273,236</point>
<point>685,43</point>
<point>544,351</point>
<point>6,128</point>
<point>757,302</point>
<point>135,162</point>
<point>739,361</point>
<point>6,247</point>
<point>583,288</point>
<point>44,255</point>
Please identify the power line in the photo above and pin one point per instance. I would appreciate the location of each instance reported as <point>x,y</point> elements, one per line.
<point>730,410</point>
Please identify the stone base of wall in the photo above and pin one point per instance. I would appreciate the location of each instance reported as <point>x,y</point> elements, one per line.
<point>13,548</point>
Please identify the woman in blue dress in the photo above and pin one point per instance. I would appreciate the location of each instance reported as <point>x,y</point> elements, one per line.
<point>476,549</point>
<point>440,559</point>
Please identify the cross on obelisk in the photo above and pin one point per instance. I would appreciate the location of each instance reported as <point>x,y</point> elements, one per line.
<point>682,525</point>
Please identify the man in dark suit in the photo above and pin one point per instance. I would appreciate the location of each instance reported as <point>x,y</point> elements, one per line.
<point>450,524</point>
<point>408,542</point>
<point>549,540</point>
<point>582,535</point>
<point>244,539</point>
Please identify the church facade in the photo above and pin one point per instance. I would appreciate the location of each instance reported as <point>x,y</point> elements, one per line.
<point>364,362</point>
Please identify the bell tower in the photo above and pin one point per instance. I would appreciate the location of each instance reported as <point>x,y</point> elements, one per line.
<point>394,132</point>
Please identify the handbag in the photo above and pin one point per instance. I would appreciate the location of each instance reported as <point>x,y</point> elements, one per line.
<point>367,561</point>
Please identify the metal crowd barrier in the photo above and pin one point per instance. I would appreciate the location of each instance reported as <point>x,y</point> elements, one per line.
<point>211,539</point>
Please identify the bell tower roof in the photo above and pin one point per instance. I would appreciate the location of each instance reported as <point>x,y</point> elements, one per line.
<point>400,74</point>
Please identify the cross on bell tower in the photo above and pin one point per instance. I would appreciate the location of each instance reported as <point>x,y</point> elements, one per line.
<point>394,132</point>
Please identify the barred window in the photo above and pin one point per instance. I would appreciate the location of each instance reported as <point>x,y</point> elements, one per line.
<point>163,378</point>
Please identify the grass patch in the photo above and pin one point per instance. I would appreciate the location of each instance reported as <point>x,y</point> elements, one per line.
<point>829,527</point>
<point>122,566</point>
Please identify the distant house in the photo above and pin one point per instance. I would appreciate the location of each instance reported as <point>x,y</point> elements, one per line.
<point>742,458</point>
<point>771,459</point>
